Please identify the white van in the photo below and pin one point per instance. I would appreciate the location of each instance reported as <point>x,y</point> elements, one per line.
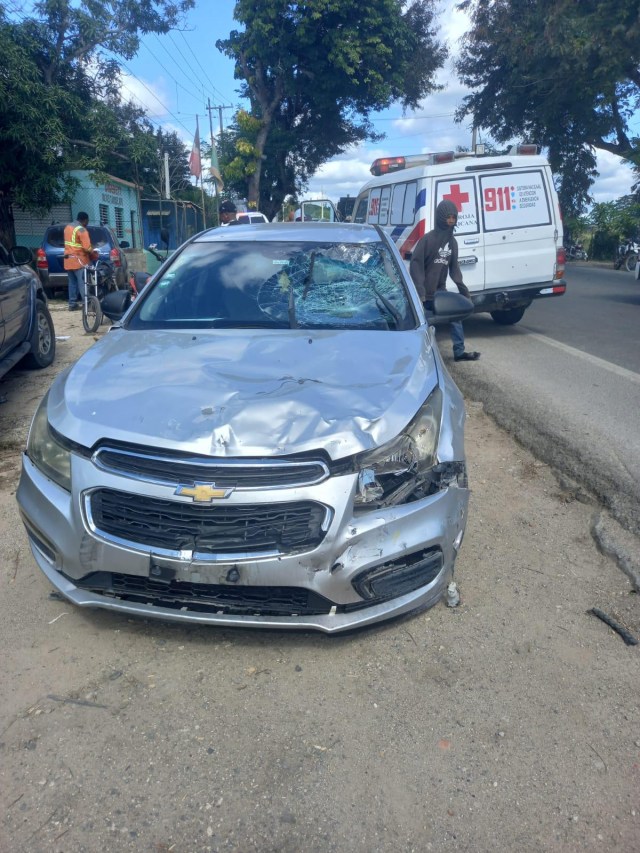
<point>509,229</point>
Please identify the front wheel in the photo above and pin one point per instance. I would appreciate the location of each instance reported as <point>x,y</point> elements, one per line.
<point>43,339</point>
<point>631,262</point>
<point>508,317</point>
<point>92,317</point>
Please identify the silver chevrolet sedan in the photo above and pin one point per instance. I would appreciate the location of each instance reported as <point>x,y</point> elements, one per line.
<point>268,437</point>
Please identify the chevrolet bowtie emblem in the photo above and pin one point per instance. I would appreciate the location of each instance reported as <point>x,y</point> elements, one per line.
<point>203,492</point>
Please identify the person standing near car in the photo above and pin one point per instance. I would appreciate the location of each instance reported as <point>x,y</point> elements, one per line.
<point>228,212</point>
<point>78,253</point>
<point>433,259</point>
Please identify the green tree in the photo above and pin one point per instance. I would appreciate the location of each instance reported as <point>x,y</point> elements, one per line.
<point>314,72</point>
<point>58,87</point>
<point>561,73</point>
<point>612,223</point>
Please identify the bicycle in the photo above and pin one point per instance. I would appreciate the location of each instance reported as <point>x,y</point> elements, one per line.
<point>98,281</point>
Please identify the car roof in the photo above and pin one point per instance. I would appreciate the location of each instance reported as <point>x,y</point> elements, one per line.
<point>320,232</point>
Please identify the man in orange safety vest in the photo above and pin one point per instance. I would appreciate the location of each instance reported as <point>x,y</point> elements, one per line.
<point>78,252</point>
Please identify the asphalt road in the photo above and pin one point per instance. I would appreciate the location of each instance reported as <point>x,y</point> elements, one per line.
<point>566,382</point>
<point>599,314</point>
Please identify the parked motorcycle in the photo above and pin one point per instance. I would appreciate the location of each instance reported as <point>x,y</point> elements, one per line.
<point>627,255</point>
<point>576,252</point>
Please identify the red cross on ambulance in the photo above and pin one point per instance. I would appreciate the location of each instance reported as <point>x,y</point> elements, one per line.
<point>456,196</point>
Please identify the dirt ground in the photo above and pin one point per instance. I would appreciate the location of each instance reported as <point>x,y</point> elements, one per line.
<point>510,723</point>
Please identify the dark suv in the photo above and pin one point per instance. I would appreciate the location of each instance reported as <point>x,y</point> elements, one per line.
<point>26,327</point>
<point>50,257</point>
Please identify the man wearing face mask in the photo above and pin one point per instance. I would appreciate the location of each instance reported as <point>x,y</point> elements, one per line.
<point>434,257</point>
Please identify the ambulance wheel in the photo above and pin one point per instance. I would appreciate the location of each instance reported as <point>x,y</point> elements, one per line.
<point>508,317</point>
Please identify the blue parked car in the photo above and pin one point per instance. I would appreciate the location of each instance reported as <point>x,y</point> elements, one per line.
<point>50,256</point>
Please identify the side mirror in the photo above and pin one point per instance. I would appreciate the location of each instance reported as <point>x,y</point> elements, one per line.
<point>449,307</point>
<point>21,255</point>
<point>115,304</point>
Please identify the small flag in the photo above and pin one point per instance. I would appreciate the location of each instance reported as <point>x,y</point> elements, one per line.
<point>195,166</point>
<point>215,168</point>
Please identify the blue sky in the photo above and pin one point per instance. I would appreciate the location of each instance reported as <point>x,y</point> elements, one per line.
<point>174,76</point>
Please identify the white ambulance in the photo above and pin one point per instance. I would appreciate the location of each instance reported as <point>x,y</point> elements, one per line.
<point>509,229</point>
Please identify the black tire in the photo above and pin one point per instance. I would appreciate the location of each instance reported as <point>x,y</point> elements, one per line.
<point>617,263</point>
<point>43,339</point>
<point>508,317</point>
<point>93,317</point>
<point>630,262</point>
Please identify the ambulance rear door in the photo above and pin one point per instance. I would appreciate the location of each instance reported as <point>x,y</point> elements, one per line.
<point>462,190</point>
<point>520,227</point>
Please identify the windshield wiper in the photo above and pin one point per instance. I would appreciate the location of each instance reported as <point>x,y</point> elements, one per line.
<point>224,323</point>
<point>390,307</point>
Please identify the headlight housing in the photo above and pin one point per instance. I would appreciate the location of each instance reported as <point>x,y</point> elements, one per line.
<point>46,452</point>
<point>391,473</point>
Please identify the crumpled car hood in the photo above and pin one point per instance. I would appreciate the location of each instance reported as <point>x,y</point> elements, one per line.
<point>245,393</point>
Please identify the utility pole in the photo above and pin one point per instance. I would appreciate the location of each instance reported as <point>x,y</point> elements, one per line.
<point>210,107</point>
<point>219,108</point>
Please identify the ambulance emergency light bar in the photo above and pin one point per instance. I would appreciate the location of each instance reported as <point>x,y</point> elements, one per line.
<point>387,165</point>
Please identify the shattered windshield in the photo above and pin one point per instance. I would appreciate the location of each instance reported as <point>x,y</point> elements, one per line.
<point>278,285</point>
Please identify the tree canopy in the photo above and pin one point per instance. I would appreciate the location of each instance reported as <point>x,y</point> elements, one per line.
<point>313,72</point>
<point>560,73</point>
<point>60,105</point>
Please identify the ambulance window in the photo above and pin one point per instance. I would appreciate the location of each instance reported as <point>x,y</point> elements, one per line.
<point>385,197</point>
<point>403,204</point>
<point>514,200</point>
<point>409,212</point>
<point>374,206</point>
<point>360,214</point>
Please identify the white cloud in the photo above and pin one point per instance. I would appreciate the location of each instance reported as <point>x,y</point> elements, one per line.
<point>615,178</point>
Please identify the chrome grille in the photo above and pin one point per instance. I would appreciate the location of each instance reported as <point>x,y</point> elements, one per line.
<point>167,525</point>
<point>225,473</point>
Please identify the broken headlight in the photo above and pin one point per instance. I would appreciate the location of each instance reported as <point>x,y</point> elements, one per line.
<point>394,470</point>
<point>46,452</point>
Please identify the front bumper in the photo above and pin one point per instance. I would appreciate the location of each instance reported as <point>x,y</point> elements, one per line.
<point>415,544</point>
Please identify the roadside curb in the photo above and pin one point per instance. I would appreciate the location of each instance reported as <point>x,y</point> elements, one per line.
<point>618,544</point>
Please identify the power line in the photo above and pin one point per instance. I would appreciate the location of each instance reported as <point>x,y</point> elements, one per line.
<point>177,82</point>
<point>128,70</point>
<point>224,97</point>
